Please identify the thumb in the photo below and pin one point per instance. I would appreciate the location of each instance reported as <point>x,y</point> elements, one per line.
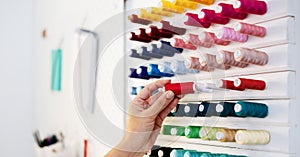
<point>160,104</point>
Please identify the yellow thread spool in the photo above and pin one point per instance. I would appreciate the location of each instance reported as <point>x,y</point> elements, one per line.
<point>144,14</point>
<point>186,4</point>
<point>226,135</point>
<point>206,2</point>
<point>252,137</point>
<point>169,6</point>
<point>160,11</point>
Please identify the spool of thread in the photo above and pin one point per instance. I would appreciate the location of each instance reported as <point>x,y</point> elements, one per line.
<point>153,48</point>
<point>153,71</point>
<point>180,110</point>
<point>166,26</point>
<point>211,61</point>
<point>193,63</point>
<point>210,16</point>
<point>194,154</point>
<point>144,51</point>
<point>179,67</point>
<point>194,39</point>
<point>193,20</point>
<point>230,34</point>
<point>251,56</point>
<point>251,109</point>
<point>243,83</point>
<point>204,87</point>
<point>160,11</point>
<point>252,137</point>
<point>134,54</point>
<point>192,131</point>
<point>203,108</point>
<point>133,73</point>
<point>135,19</point>
<point>173,130</point>
<point>142,72</point>
<point>226,135</point>
<point>252,7</point>
<point>144,14</point>
<point>211,110</point>
<point>179,152</point>
<point>133,91</point>
<point>206,2</point>
<point>166,70</point>
<point>209,133</point>
<point>168,47</point>
<point>166,151</point>
<point>225,109</point>
<point>181,88</point>
<point>135,37</point>
<point>209,37</point>
<point>191,110</point>
<point>250,29</point>
<point>186,4</point>
<point>168,6</point>
<point>227,58</point>
<point>227,10</point>
<point>227,84</point>
<point>154,33</point>
<point>180,43</point>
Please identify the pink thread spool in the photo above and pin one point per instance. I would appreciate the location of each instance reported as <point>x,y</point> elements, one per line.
<point>230,34</point>
<point>250,29</point>
<point>193,20</point>
<point>251,56</point>
<point>227,58</point>
<point>192,63</point>
<point>211,61</point>
<point>210,16</point>
<point>227,10</point>
<point>180,43</point>
<point>194,39</point>
<point>251,6</point>
<point>209,37</point>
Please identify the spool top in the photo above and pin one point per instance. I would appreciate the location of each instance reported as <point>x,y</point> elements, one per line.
<point>220,57</point>
<point>238,108</point>
<point>173,131</point>
<point>237,82</point>
<point>237,27</point>
<point>219,108</point>
<point>201,15</point>
<point>237,55</point>
<point>220,135</point>
<point>218,9</point>
<point>187,109</point>
<point>236,4</point>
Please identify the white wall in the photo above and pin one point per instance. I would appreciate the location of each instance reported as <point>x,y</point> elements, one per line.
<point>16,74</point>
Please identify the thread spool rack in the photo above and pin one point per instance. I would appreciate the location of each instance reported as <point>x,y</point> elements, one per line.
<point>280,43</point>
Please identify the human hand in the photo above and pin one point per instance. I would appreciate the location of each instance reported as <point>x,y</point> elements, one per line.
<point>145,116</point>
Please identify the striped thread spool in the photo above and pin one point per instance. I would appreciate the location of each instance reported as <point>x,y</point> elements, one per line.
<point>210,16</point>
<point>173,130</point>
<point>227,58</point>
<point>226,135</point>
<point>193,154</point>
<point>250,29</point>
<point>251,56</point>
<point>252,137</point>
<point>225,109</point>
<point>209,37</point>
<point>251,7</point>
<point>207,2</point>
<point>179,152</point>
<point>227,10</point>
<point>209,133</point>
<point>230,34</point>
<point>211,62</point>
<point>194,39</point>
<point>192,131</point>
<point>193,20</point>
<point>251,109</point>
<point>243,83</point>
<point>191,110</point>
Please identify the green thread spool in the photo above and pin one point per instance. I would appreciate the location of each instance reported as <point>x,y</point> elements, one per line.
<point>192,131</point>
<point>56,56</point>
<point>209,133</point>
<point>251,109</point>
<point>173,130</point>
<point>193,154</point>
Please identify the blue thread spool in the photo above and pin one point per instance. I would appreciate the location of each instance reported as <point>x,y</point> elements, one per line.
<point>153,71</point>
<point>250,109</point>
<point>134,54</point>
<point>167,46</point>
<point>133,91</point>
<point>166,70</point>
<point>145,52</point>
<point>193,154</point>
<point>191,110</point>
<point>156,48</point>
<point>133,73</point>
<point>225,109</point>
<point>142,72</point>
<point>178,67</point>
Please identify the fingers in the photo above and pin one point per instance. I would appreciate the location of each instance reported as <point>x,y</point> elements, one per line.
<point>164,113</point>
<point>160,104</point>
<point>150,88</point>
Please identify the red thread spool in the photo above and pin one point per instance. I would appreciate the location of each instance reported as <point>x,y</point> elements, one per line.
<point>135,19</point>
<point>180,88</point>
<point>251,56</point>
<point>251,29</point>
<point>227,58</point>
<point>135,37</point>
<point>227,84</point>
<point>154,32</point>
<point>250,84</point>
<point>194,39</point>
<point>210,16</point>
<point>166,26</point>
<point>145,33</point>
<point>227,10</point>
<point>180,43</point>
<point>193,20</point>
<point>251,6</point>
<point>209,37</point>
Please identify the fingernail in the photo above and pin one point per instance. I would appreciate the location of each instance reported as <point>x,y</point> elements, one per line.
<point>169,94</point>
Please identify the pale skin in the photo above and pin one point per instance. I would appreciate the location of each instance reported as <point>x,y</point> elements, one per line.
<point>146,114</point>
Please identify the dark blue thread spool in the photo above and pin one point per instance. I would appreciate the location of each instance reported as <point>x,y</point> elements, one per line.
<point>156,48</point>
<point>133,73</point>
<point>167,46</point>
<point>133,91</point>
<point>143,73</point>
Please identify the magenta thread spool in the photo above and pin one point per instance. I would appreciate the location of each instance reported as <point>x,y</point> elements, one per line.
<point>193,20</point>
<point>210,16</point>
<point>227,10</point>
<point>250,29</point>
<point>250,6</point>
<point>230,34</point>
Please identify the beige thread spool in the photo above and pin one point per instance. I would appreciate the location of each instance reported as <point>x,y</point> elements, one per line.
<point>227,58</point>
<point>251,56</point>
<point>252,137</point>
